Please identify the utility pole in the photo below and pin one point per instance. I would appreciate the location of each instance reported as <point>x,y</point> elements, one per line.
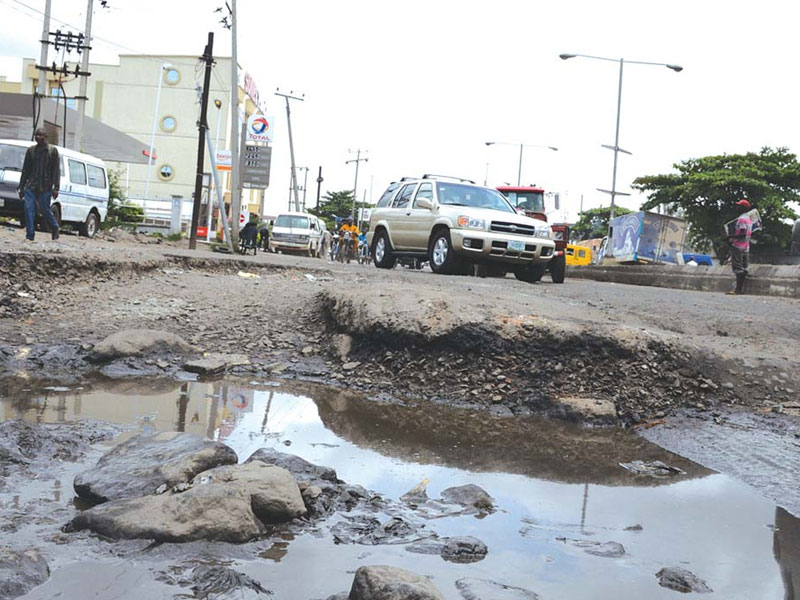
<point>43,56</point>
<point>83,82</point>
<point>319,184</point>
<point>305,186</point>
<point>356,160</point>
<point>291,142</point>
<point>202,127</point>
<point>236,197</point>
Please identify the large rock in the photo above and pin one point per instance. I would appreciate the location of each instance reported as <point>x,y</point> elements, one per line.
<point>21,571</point>
<point>139,342</point>
<point>681,580</point>
<point>139,466</point>
<point>231,504</point>
<point>381,582</point>
<point>486,589</point>
<point>464,549</point>
<point>469,495</point>
<point>299,467</point>
<point>274,492</point>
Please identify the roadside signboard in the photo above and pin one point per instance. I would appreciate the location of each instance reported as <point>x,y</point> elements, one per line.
<point>259,129</point>
<point>254,166</point>
<point>224,160</point>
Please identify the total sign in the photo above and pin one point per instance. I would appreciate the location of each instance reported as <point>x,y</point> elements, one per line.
<point>259,128</point>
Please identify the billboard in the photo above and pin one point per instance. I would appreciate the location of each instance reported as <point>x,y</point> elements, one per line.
<point>648,237</point>
<point>259,129</point>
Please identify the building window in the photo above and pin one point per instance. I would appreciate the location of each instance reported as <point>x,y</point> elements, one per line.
<point>165,172</point>
<point>172,76</point>
<point>169,124</point>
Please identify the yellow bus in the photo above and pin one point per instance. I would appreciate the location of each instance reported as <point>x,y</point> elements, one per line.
<point>578,255</point>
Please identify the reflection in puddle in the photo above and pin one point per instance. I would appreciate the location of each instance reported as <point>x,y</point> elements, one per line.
<point>566,508</point>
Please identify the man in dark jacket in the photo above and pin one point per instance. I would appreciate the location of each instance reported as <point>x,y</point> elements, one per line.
<point>264,236</point>
<point>39,183</point>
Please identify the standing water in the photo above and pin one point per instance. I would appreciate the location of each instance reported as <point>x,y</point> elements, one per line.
<point>559,490</point>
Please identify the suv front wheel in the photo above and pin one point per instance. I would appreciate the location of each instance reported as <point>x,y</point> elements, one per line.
<point>382,251</point>
<point>441,256</point>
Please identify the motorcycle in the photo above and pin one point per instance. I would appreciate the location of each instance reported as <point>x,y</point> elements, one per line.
<point>345,251</point>
<point>363,252</point>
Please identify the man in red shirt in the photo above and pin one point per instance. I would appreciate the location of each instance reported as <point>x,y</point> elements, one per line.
<point>740,246</point>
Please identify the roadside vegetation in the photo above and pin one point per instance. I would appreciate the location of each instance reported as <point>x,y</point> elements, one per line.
<point>705,191</point>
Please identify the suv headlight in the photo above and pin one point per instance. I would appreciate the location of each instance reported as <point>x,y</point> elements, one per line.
<point>544,232</point>
<point>467,222</point>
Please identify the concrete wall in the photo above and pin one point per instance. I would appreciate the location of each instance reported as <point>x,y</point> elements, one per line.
<point>764,280</point>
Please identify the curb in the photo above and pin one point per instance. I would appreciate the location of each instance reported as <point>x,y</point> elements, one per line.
<point>763,280</point>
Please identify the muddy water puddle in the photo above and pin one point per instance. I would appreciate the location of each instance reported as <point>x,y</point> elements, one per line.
<point>560,492</point>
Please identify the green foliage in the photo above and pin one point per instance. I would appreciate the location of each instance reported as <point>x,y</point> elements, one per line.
<point>125,212</point>
<point>115,190</point>
<point>593,223</point>
<point>119,209</point>
<point>705,191</point>
<point>335,204</point>
<point>174,237</point>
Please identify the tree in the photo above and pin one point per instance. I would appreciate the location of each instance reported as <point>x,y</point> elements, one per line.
<point>593,223</point>
<point>705,191</point>
<point>334,204</point>
<point>119,209</point>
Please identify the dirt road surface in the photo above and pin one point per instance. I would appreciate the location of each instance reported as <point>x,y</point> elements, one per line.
<point>586,351</point>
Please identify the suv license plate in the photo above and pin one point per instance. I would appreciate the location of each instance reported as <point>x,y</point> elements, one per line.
<point>516,246</point>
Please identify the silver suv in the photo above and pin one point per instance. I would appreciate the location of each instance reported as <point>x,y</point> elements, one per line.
<point>453,223</point>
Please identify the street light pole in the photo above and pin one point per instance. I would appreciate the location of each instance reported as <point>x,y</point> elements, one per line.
<point>161,69</point>
<point>616,147</point>
<point>521,146</point>
<point>613,192</point>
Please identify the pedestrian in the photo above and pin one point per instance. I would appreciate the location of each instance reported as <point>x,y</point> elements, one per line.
<point>39,183</point>
<point>325,243</point>
<point>264,233</point>
<point>739,239</point>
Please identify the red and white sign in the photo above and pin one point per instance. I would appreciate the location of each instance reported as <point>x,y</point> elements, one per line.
<point>259,128</point>
<point>244,216</point>
<point>224,160</point>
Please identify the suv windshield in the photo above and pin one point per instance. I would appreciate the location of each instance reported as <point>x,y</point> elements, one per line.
<point>456,194</point>
<point>530,201</point>
<point>11,157</point>
<point>293,221</point>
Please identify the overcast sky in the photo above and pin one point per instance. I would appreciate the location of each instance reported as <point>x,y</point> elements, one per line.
<point>421,86</point>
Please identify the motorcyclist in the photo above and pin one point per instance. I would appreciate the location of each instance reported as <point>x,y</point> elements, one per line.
<point>352,229</point>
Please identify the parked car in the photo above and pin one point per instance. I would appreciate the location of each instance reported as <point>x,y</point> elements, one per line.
<point>83,195</point>
<point>454,224</point>
<point>297,232</point>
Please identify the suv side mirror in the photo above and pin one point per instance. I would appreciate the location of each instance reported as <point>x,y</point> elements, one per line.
<point>425,203</point>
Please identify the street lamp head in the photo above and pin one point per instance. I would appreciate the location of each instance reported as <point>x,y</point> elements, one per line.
<point>566,56</point>
<point>488,143</point>
<point>553,148</point>
<point>166,66</point>
<point>676,68</point>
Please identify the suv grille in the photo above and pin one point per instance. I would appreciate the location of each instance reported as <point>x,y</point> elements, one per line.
<point>503,227</point>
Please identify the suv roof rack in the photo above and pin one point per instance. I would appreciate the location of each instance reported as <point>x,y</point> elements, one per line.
<point>433,176</point>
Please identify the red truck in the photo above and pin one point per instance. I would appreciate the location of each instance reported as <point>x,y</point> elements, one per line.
<point>529,200</point>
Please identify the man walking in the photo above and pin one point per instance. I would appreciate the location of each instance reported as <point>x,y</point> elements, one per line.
<point>39,183</point>
<point>740,246</point>
<point>264,236</point>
